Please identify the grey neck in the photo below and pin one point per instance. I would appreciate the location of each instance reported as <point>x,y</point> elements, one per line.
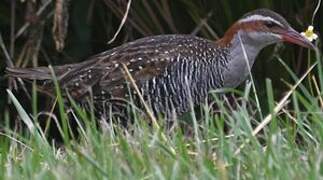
<point>243,52</point>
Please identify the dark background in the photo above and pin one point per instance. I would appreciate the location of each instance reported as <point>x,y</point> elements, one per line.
<point>91,24</point>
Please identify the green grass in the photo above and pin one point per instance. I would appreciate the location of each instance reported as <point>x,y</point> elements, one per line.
<point>289,147</point>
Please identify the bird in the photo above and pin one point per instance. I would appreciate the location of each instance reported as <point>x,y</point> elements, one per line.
<point>171,71</point>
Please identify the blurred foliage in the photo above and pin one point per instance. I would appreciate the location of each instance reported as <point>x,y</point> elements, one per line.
<point>91,24</point>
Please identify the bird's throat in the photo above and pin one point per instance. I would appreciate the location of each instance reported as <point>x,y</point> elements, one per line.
<point>243,53</point>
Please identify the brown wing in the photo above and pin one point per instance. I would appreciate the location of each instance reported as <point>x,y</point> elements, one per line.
<point>145,58</point>
<point>103,74</point>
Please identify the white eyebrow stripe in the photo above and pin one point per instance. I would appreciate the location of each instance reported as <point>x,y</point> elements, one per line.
<point>259,18</point>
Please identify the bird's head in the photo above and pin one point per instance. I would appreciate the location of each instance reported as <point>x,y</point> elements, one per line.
<point>263,27</point>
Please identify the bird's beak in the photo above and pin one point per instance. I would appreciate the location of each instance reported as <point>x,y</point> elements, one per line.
<point>295,37</point>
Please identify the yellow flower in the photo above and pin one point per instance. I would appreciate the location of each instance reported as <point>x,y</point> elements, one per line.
<point>309,34</point>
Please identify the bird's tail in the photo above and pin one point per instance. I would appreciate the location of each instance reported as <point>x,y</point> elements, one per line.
<point>39,73</point>
<point>42,75</point>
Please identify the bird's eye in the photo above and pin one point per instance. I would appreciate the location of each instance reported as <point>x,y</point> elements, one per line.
<point>270,24</point>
